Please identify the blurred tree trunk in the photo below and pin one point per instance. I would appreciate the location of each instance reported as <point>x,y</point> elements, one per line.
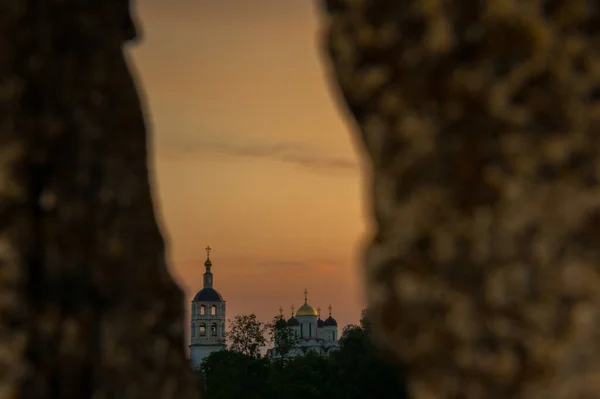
<point>481,121</point>
<point>87,307</point>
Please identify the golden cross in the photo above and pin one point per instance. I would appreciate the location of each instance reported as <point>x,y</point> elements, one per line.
<point>329,310</point>
<point>319,311</point>
<point>305,295</point>
<point>293,310</point>
<point>208,248</point>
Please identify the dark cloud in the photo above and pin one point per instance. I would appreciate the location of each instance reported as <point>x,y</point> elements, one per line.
<point>294,153</point>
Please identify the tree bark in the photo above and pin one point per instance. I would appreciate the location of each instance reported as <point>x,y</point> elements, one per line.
<point>87,306</point>
<point>481,121</point>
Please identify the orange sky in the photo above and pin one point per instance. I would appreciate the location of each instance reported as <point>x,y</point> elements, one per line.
<point>253,156</point>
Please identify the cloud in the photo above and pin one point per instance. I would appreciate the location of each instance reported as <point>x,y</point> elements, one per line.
<point>257,266</point>
<point>293,153</point>
<point>250,266</point>
<point>325,267</point>
<point>282,264</point>
<point>318,266</point>
<point>275,265</point>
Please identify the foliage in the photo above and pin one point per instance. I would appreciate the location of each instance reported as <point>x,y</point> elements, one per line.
<point>246,335</point>
<point>357,370</point>
<point>230,374</point>
<point>308,377</point>
<point>364,321</point>
<point>282,336</point>
<point>366,374</point>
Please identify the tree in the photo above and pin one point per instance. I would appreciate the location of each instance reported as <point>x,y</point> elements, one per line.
<point>234,375</point>
<point>282,336</point>
<point>357,371</point>
<point>361,370</point>
<point>307,376</point>
<point>365,323</point>
<point>247,335</point>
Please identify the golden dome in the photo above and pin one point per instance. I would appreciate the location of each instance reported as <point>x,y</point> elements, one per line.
<point>307,310</point>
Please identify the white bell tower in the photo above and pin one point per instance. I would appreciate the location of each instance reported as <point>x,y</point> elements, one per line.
<point>208,319</point>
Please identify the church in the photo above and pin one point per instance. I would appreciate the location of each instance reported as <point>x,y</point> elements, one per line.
<point>312,333</point>
<point>208,318</point>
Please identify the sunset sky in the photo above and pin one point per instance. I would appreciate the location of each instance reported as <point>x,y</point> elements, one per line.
<point>253,155</point>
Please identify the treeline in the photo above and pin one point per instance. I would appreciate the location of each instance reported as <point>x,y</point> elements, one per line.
<point>357,370</point>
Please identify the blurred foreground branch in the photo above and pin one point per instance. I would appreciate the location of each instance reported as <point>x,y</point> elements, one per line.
<point>87,307</point>
<point>481,121</point>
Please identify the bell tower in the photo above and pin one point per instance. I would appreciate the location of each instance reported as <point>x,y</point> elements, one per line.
<point>208,318</point>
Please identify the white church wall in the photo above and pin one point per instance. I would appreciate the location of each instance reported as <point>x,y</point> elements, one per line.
<point>308,326</point>
<point>330,333</point>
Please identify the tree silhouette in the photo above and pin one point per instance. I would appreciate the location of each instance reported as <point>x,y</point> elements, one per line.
<point>282,336</point>
<point>232,375</point>
<point>357,371</point>
<point>246,335</point>
<point>361,370</point>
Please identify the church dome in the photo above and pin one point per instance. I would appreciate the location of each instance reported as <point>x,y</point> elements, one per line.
<point>292,322</point>
<point>320,323</point>
<point>307,310</point>
<point>330,322</point>
<point>208,295</point>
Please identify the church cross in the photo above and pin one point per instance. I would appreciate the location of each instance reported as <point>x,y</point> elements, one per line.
<point>319,311</point>
<point>293,308</point>
<point>208,248</point>
<point>329,310</point>
<point>305,295</point>
<point>280,311</point>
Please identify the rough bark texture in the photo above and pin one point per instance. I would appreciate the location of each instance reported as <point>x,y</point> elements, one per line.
<point>482,121</point>
<point>87,307</point>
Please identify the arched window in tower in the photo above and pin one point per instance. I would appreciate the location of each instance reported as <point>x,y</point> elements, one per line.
<point>202,310</point>
<point>213,329</point>
<point>202,329</point>
<point>213,310</point>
